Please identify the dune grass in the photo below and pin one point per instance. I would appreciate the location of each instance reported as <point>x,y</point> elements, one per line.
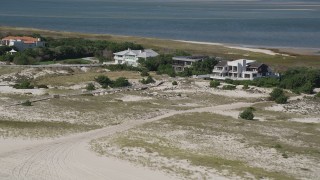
<point>81,77</point>
<point>288,138</point>
<point>40,129</point>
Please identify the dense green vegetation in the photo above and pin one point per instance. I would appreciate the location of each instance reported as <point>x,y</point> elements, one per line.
<point>201,67</point>
<point>247,114</point>
<point>299,80</point>
<point>162,64</point>
<point>23,84</point>
<point>65,48</point>
<point>214,84</point>
<point>229,87</point>
<point>106,82</point>
<point>278,96</point>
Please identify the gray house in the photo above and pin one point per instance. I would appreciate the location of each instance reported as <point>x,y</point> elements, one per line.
<point>182,62</point>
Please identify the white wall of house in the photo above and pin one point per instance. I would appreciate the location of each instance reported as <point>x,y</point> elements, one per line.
<point>236,70</point>
<point>20,45</point>
<point>131,57</point>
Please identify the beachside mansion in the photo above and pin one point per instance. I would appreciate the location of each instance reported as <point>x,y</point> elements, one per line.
<point>241,69</point>
<point>22,42</point>
<point>131,57</point>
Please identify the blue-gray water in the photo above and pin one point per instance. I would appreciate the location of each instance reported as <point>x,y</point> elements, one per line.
<point>289,23</point>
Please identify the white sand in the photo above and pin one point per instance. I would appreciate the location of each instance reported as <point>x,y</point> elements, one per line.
<point>306,120</point>
<point>9,89</point>
<point>264,51</point>
<point>132,98</point>
<point>70,157</point>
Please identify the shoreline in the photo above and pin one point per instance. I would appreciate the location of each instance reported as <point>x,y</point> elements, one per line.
<point>268,50</point>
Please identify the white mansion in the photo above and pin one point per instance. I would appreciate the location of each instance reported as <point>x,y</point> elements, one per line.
<point>131,57</point>
<point>241,69</point>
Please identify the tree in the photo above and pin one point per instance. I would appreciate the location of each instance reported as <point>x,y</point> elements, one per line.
<point>22,59</point>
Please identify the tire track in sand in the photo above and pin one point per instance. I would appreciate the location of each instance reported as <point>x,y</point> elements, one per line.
<point>70,157</point>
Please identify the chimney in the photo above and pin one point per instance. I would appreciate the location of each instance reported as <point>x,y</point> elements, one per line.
<point>244,65</point>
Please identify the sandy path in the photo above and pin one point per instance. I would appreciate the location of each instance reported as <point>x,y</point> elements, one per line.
<point>70,157</point>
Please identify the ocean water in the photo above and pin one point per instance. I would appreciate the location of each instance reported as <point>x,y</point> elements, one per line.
<point>277,23</point>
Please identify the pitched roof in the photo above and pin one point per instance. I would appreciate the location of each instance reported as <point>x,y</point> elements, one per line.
<point>25,39</point>
<point>139,53</point>
<point>254,64</point>
<point>189,58</point>
<point>222,63</point>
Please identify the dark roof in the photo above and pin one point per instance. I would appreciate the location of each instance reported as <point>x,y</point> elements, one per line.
<point>222,63</point>
<point>255,64</point>
<point>189,58</point>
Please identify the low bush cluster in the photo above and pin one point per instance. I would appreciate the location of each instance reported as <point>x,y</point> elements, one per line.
<point>174,83</point>
<point>90,87</point>
<point>24,84</point>
<point>122,67</point>
<point>106,82</point>
<point>26,103</point>
<point>149,80</point>
<point>229,87</point>
<point>214,84</point>
<point>247,114</point>
<point>278,96</point>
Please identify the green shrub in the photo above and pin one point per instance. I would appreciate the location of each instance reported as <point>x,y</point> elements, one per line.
<point>307,88</point>
<point>266,82</point>
<point>317,95</point>
<point>144,73</point>
<point>26,103</point>
<point>246,86</point>
<point>214,84</point>
<point>276,92</point>
<point>120,82</point>
<point>174,83</point>
<point>281,99</point>
<point>229,81</point>
<point>24,84</point>
<point>90,87</point>
<point>103,80</point>
<point>148,80</point>
<point>284,155</point>
<point>228,87</point>
<point>247,114</point>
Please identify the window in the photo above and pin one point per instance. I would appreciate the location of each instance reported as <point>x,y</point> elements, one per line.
<point>246,75</point>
